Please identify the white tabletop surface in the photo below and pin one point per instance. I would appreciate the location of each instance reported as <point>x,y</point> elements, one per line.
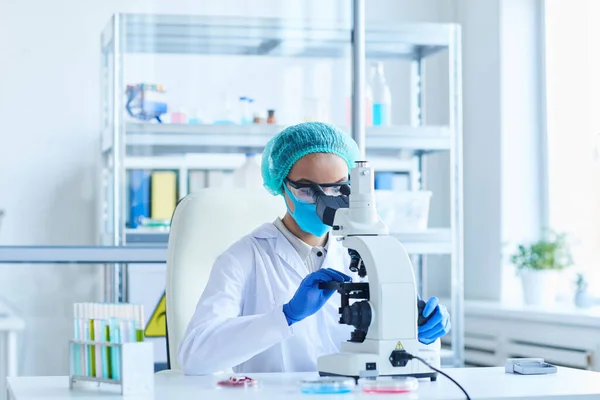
<point>481,383</point>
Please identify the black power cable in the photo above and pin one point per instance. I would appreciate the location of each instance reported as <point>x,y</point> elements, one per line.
<point>410,357</point>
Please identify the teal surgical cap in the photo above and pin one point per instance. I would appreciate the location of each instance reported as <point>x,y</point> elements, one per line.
<point>296,141</point>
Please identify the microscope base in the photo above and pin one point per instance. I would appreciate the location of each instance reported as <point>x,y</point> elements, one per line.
<point>364,365</point>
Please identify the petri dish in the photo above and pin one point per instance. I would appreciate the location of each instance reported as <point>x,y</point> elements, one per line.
<point>327,385</point>
<point>388,384</point>
<point>237,382</point>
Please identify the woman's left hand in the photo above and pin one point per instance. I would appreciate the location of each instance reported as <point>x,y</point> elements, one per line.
<point>438,324</point>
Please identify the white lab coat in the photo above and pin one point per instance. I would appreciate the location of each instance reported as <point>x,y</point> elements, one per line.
<point>239,322</point>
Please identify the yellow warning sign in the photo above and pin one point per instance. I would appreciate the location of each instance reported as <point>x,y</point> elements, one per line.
<point>399,346</point>
<point>157,326</point>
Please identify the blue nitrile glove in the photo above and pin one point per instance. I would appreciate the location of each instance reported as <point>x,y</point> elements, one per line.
<point>438,322</point>
<point>309,299</point>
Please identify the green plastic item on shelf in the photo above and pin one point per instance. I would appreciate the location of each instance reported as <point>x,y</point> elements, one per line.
<point>148,222</point>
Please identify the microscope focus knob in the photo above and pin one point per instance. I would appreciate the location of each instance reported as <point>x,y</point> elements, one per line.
<point>358,315</point>
<point>421,320</point>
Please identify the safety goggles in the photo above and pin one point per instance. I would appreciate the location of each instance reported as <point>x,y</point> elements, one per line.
<point>302,190</point>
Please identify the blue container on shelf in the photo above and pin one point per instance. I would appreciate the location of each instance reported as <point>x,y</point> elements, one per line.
<point>384,180</point>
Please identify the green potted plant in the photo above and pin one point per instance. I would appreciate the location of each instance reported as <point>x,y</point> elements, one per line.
<point>538,265</point>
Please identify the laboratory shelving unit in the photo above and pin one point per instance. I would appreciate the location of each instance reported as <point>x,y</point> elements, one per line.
<point>129,145</point>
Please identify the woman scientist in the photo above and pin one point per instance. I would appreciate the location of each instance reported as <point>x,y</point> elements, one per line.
<point>262,310</point>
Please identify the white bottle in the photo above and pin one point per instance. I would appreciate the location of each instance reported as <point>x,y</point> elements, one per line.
<point>382,97</point>
<point>248,175</point>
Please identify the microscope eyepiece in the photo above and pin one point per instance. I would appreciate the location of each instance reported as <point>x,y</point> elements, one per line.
<point>345,190</point>
<point>328,205</point>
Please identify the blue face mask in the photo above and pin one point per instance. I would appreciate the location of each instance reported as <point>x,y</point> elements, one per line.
<point>306,217</point>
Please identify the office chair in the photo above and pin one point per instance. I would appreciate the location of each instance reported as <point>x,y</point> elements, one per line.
<point>205,224</point>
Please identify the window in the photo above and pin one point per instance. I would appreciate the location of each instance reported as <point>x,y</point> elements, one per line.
<point>572,48</point>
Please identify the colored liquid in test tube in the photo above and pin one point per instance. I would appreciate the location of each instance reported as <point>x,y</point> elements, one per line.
<point>140,326</point>
<point>77,350</point>
<point>115,337</point>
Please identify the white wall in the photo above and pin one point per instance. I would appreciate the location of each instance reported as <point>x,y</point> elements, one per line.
<point>481,142</point>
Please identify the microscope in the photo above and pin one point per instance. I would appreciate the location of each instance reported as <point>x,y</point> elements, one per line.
<point>386,310</point>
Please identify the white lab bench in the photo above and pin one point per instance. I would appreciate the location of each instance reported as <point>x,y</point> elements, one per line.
<point>481,383</point>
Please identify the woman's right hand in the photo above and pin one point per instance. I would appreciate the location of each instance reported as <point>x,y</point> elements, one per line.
<point>309,299</point>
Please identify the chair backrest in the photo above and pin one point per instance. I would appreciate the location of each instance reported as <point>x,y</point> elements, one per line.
<point>204,225</point>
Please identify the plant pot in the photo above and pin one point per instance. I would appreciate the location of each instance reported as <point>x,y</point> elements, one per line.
<point>539,287</point>
<point>583,299</point>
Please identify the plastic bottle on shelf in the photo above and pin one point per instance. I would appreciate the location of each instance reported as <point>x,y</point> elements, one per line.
<point>196,118</point>
<point>244,109</point>
<point>179,116</point>
<point>248,175</point>
<point>249,115</point>
<point>226,114</point>
<point>382,97</point>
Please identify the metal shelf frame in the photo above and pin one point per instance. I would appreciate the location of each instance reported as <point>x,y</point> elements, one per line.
<point>432,241</point>
<point>150,247</point>
<point>159,139</point>
<point>124,144</point>
<point>189,34</point>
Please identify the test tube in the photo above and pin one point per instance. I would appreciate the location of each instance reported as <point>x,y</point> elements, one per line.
<point>87,338</point>
<point>102,338</point>
<point>111,339</point>
<point>107,339</point>
<point>92,308</point>
<point>131,318</point>
<point>81,336</point>
<point>123,325</point>
<point>115,337</point>
<point>140,324</point>
<point>76,350</point>
<point>98,338</point>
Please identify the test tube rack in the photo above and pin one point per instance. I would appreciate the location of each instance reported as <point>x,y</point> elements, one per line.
<point>135,363</point>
